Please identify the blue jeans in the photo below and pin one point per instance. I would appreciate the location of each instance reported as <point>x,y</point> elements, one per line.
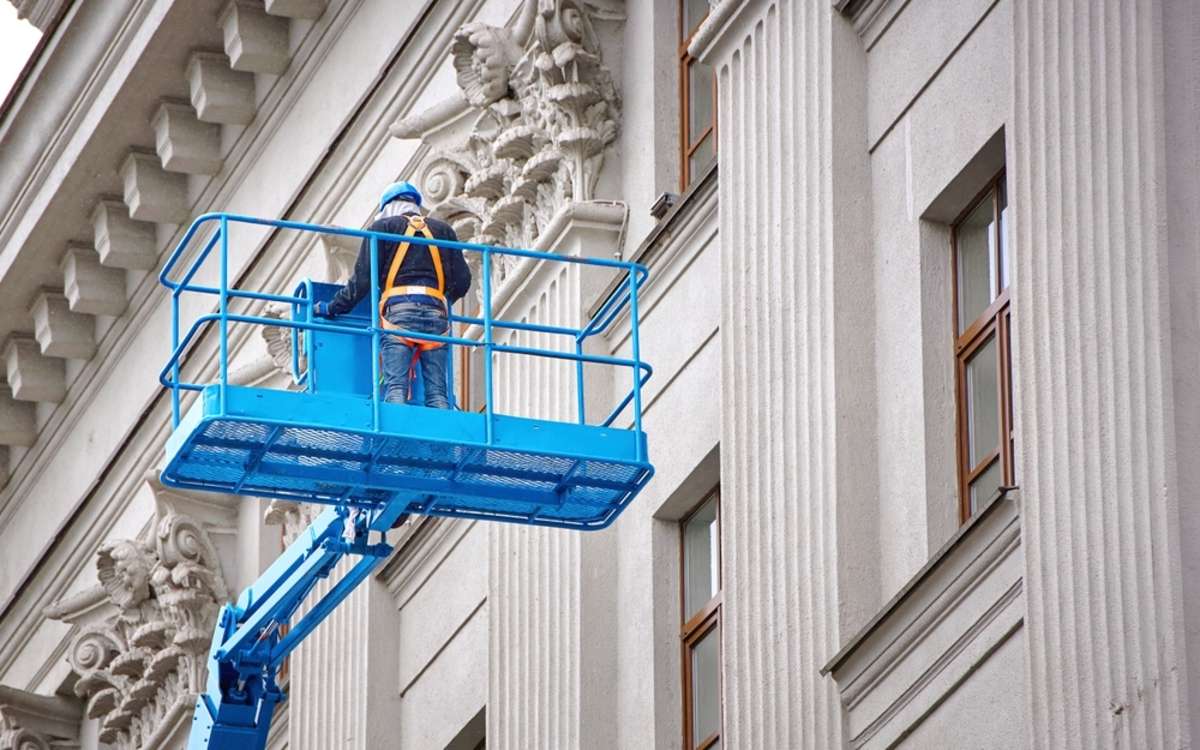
<point>398,357</point>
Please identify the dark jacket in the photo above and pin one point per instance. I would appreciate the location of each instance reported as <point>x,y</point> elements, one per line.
<point>417,269</point>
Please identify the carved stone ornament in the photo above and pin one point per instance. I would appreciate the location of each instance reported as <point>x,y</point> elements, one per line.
<point>38,722</point>
<point>543,111</point>
<point>292,517</point>
<point>141,668</point>
<point>275,364</point>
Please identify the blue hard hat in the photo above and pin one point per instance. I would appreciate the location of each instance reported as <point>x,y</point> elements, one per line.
<point>405,190</point>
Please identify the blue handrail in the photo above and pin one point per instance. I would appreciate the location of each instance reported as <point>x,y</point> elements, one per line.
<point>623,296</point>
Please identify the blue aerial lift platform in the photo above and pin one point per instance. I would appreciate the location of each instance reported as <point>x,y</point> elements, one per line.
<point>334,441</point>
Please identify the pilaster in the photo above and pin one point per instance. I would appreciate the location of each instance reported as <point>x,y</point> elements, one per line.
<point>120,241</point>
<point>342,680</point>
<point>218,92</point>
<point>1092,374</point>
<point>551,592</point>
<point>787,409</point>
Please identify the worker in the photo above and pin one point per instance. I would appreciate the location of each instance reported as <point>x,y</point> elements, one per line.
<point>417,283</point>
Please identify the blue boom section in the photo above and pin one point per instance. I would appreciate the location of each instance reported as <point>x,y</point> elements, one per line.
<point>249,642</point>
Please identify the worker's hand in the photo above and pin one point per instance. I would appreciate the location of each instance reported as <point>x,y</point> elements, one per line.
<point>321,310</point>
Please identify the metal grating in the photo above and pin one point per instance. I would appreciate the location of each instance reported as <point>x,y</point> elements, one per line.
<point>312,463</point>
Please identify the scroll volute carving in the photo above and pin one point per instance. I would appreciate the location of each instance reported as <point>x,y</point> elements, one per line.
<point>187,581</point>
<point>31,721</point>
<point>141,668</point>
<point>23,739</point>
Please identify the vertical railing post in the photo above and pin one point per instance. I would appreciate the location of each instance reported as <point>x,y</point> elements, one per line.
<point>224,313</point>
<point>579,377</point>
<point>376,327</point>
<point>175,357</point>
<point>295,334</point>
<point>637,361</point>
<point>489,409</point>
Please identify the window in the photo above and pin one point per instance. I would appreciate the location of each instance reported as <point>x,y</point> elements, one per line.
<point>698,98</point>
<point>982,324</point>
<point>700,596</point>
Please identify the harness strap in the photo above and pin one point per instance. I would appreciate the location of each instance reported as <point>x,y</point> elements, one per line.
<point>416,227</point>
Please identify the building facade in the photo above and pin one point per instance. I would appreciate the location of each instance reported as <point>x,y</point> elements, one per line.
<point>924,314</point>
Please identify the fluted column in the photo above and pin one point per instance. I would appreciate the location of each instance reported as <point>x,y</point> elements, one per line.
<point>1092,376</point>
<point>343,678</point>
<point>551,591</point>
<point>787,72</point>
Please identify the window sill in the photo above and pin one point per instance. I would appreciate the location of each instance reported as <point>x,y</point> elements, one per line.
<point>950,618</point>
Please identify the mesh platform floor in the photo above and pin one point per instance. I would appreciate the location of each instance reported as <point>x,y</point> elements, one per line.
<point>310,448</point>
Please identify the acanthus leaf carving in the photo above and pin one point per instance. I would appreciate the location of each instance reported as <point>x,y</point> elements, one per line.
<point>141,668</point>
<point>543,111</point>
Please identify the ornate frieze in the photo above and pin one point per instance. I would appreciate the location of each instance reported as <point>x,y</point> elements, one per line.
<point>141,664</point>
<point>542,110</point>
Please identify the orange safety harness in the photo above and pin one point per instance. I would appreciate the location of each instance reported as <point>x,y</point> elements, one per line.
<point>417,228</point>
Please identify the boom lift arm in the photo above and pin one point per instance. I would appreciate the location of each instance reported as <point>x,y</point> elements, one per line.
<point>234,712</point>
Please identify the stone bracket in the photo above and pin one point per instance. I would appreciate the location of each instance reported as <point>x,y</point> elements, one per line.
<point>185,143</point>
<point>89,286</point>
<point>151,193</point>
<point>61,332</point>
<point>219,93</point>
<point>296,8</point>
<point>122,242</point>
<point>32,375</point>
<point>255,41</point>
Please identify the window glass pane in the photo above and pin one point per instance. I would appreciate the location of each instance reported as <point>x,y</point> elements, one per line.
<point>976,273</point>
<point>986,484</point>
<point>700,100</point>
<point>983,403</point>
<point>694,12</point>
<point>706,686</point>
<point>701,158</point>
<point>1003,198</point>
<point>701,561</point>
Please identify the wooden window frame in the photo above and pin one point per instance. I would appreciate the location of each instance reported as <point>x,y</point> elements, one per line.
<point>995,321</point>
<point>696,627</point>
<point>686,146</point>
